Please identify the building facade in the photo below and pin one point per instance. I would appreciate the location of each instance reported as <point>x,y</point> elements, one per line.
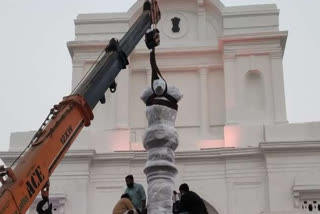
<point>237,149</point>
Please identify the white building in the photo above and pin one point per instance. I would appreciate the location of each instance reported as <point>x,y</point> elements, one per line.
<point>237,150</point>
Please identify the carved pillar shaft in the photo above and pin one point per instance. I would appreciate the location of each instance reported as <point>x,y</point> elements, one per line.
<point>160,141</point>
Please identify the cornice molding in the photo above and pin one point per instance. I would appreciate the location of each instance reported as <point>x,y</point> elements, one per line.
<point>254,36</point>
<point>85,45</point>
<point>196,48</point>
<point>124,20</point>
<point>127,156</point>
<point>276,55</point>
<point>247,10</point>
<point>281,146</point>
<point>227,14</point>
<point>99,44</point>
<point>194,67</point>
<point>9,157</point>
<point>181,155</point>
<point>264,147</point>
<point>274,51</point>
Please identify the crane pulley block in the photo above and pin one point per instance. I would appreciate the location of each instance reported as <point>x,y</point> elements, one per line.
<point>152,38</point>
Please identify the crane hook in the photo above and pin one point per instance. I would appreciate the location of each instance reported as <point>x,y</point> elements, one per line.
<point>45,199</point>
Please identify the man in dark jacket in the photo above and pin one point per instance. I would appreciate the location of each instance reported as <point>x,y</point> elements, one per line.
<point>191,202</point>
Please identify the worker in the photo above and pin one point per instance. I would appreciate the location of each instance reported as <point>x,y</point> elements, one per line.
<point>176,202</point>
<point>124,206</point>
<point>190,201</point>
<point>136,193</point>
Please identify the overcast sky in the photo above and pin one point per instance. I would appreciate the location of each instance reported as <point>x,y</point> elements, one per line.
<point>36,67</point>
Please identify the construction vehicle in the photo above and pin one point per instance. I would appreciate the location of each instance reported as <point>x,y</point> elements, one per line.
<point>30,173</point>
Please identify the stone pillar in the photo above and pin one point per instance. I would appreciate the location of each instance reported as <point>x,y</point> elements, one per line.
<point>160,141</point>
<point>204,125</point>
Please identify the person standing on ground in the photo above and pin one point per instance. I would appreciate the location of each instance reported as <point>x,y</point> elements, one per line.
<point>124,206</point>
<point>191,201</point>
<point>136,193</point>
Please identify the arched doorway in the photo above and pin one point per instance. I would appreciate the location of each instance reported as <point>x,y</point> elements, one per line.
<point>210,208</point>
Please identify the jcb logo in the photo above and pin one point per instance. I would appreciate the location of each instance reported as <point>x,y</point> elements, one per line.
<point>66,135</point>
<point>34,181</point>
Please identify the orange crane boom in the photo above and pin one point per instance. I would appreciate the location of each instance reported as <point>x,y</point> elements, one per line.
<point>21,185</point>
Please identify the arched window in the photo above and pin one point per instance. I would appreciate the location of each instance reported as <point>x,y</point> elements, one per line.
<point>254,91</point>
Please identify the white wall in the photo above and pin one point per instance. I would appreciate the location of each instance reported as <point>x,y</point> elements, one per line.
<point>270,179</point>
<point>228,64</point>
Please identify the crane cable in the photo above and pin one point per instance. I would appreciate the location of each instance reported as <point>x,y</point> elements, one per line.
<point>155,12</point>
<point>152,39</point>
<point>36,135</point>
<point>170,101</point>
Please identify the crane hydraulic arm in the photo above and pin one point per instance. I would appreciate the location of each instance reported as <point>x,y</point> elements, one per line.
<point>22,182</point>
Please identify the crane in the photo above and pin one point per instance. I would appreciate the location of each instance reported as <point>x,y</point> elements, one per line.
<point>30,173</point>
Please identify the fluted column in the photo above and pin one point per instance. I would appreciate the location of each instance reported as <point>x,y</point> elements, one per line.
<point>160,141</point>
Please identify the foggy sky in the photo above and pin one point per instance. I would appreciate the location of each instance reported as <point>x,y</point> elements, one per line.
<point>36,67</point>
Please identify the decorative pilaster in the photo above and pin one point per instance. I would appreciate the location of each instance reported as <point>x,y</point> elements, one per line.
<point>77,72</point>
<point>204,106</point>
<point>202,30</point>
<point>230,88</point>
<point>122,100</point>
<point>280,115</point>
<point>160,141</point>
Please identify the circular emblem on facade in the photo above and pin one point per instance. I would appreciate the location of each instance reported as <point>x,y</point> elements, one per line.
<point>175,25</point>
